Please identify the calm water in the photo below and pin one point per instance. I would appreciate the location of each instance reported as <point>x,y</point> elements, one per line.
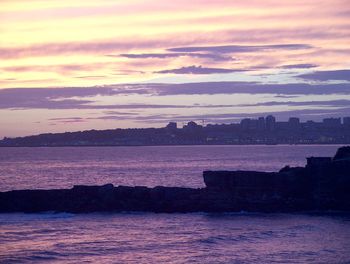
<point>161,238</point>
<point>24,168</point>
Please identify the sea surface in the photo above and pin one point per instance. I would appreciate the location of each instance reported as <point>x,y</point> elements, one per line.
<point>63,167</point>
<point>309,237</point>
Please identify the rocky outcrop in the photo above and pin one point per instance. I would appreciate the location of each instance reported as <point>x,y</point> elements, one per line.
<point>82,199</point>
<point>342,154</point>
<point>323,184</point>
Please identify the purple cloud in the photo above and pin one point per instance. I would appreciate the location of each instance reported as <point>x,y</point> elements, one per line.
<point>197,70</point>
<point>252,88</point>
<point>240,48</point>
<point>330,103</point>
<point>105,47</point>
<point>299,66</point>
<point>216,57</point>
<point>61,98</point>
<point>67,120</point>
<point>341,75</point>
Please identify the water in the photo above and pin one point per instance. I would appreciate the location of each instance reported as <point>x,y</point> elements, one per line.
<point>174,238</point>
<point>162,238</point>
<point>34,168</point>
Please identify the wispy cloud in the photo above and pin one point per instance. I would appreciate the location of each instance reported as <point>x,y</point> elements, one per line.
<point>107,46</point>
<point>240,48</point>
<point>212,56</point>
<point>87,47</point>
<point>197,70</point>
<point>299,66</point>
<point>60,98</point>
<point>341,75</point>
<point>85,97</point>
<point>252,88</point>
<point>61,68</point>
<point>67,120</point>
<point>324,103</point>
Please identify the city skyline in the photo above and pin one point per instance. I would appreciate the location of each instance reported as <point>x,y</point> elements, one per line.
<point>69,66</point>
<point>247,122</point>
<point>260,131</point>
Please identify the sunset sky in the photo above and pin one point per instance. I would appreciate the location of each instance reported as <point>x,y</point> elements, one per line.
<point>77,65</point>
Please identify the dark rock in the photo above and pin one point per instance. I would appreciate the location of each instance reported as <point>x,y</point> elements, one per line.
<point>323,184</point>
<point>343,153</point>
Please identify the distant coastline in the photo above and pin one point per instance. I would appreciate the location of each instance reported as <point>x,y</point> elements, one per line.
<point>261,131</point>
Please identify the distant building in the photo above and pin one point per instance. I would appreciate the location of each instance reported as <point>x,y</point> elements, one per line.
<point>294,120</point>
<point>294,123</point>
<point>332,122</point>
<point>192,126</point>
<point>171,126</point>
<point>261,123</point>
<point>312,125</point>
<point>270,122</point>
<point>245,123</point>
<point>346,121</point>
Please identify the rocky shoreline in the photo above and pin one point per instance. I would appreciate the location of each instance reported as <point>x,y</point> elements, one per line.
<point>323,184</point>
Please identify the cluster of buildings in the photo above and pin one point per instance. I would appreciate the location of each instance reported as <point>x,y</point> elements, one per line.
<point>266,130</point>
<point>263,130</point>
<point>269,123</point>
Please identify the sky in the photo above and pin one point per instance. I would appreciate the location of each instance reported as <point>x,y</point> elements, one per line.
<point>79,65</point>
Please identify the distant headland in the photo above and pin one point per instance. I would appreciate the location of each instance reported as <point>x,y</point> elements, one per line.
<point>322,185</point>
<point>264,130</point>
